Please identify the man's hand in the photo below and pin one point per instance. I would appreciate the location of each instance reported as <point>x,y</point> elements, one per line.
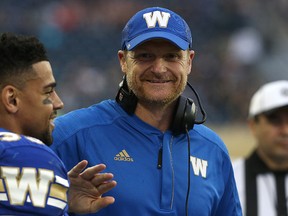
<point>86,188</point>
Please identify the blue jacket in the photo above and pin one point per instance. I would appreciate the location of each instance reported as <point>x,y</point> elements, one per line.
<point>105,133</point>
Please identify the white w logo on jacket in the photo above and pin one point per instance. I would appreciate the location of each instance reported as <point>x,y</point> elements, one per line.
<point>199,166</point>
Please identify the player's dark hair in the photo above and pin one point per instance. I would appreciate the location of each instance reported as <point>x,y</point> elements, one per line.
<point>17,55</point>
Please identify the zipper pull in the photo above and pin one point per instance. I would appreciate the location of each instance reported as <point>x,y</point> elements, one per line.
<point>159,164</point>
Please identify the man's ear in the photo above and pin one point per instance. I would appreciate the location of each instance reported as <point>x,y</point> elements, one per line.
<point>252,124</point>
<point>10,100</point>
<point>122,60</point>
<point>191,55</point>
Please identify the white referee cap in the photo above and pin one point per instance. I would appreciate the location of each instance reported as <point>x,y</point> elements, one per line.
<point>268,97</point>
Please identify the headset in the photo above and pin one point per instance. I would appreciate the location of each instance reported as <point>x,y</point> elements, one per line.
<point>184,115</point>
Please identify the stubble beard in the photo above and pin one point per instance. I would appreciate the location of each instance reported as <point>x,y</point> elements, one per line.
<point>156,101</point>
<point>46,137</point>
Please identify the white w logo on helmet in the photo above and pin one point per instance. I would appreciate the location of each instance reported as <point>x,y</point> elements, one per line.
<point>161,17</point>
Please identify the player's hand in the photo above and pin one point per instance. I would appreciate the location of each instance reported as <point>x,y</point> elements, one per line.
<point>87,187</point>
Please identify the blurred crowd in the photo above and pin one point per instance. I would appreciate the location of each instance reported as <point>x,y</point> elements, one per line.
<point>239,45</point>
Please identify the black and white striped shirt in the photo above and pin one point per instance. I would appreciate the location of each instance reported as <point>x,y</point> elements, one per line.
<point>262,192</point>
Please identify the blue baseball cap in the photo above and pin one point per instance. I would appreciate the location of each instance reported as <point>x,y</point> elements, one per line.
<point>156,22</point>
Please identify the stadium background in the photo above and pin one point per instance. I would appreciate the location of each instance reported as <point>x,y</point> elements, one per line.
<point>239,45</point>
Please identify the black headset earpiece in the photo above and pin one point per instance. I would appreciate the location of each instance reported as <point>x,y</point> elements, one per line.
<point>126,98</point>
<point>184,117</point>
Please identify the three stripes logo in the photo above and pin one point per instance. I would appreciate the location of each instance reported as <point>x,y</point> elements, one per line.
<point>123,156</point>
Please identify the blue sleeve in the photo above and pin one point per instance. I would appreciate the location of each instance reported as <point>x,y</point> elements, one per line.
<point>229,204</point>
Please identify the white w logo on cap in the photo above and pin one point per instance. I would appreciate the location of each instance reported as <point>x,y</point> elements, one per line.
<point>161,17</point>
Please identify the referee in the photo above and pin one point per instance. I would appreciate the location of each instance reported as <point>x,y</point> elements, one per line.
<point>262,178</point>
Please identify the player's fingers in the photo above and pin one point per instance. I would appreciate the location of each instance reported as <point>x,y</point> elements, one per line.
<point>101,178</point>
<point>93,171</point>
<point>102,203</point>
<point>77,169</point>
<point>107,186</point>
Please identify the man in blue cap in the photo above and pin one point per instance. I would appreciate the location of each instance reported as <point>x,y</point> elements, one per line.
<point>164,160</point>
